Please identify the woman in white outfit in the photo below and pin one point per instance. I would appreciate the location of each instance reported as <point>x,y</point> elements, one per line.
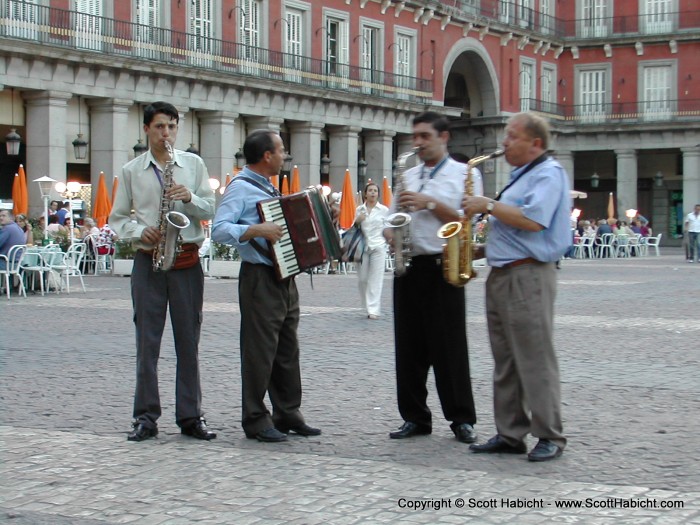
<point>370,217</point>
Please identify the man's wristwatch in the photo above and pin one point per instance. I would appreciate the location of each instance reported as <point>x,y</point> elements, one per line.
<point>490,205</point>
<point>431,205</point>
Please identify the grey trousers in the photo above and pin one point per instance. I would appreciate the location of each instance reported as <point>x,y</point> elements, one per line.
<point>151,293</point>
<point>269,349</point>
<point>520,314</point>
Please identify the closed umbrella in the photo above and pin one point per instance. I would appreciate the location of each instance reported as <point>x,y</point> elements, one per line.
<point>611,206</point>
<point>275,181</point>
<point>295,187</point>
<point>115,184</point>
<point>103,206</point>
<point>347,203</point>
<point>386,193</point>
<point>16,195</point>
<point>285,185</point>
<point>24,194</point>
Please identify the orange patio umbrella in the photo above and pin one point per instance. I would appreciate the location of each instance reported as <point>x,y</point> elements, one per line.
<point>16,195</point>
<point>285,186</point>
<point>386,193</point>
<point>24,207</point>
<point>115,184</point>
<point>611,206</point>
<point>347,203</point>
<point>103,206</point>
<point>275,181</point>
<point>295,187</point>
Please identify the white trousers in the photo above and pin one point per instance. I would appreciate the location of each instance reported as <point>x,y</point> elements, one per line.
<point>371,279</point>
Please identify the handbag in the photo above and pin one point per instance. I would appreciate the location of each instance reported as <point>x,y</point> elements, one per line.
<point>353,245</point>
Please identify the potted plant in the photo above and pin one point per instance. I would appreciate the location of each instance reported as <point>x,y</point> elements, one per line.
<point>225,262</point>
<point>123,261</point>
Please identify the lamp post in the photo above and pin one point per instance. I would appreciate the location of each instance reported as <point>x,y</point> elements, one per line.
<point>325,169</point>
<point>659,179</point>
<point>69,191</point>
<point>45,184</point>
<point>12,139</point>
<point>240,159</point>
<point>595,180</point>
<point>287,166</point>
<point>631,214</point>
<point>362,174</point>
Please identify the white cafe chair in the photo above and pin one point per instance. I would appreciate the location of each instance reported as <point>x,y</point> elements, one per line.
<point>584,248</point>
<point>13,267</point>
<point>654,242</point>
<point>34,263</point>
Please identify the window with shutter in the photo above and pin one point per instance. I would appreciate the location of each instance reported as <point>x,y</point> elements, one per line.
<point>88,24</point>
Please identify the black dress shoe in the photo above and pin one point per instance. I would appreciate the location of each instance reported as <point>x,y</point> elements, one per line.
<point>302,429</point>
<point>269,435</point>
<point>498,444</point>
<point>198,430</point>
<point>141,432</point>
<point>408,430</point>
<point>464,432</point>
<point>544,451</point>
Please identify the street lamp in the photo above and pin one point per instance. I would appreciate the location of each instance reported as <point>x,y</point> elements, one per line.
<point>631,214</point>
<point>80,144</point>
<point>659,179</point>
<point>240,159</point>
<point>287,166</point>
<point>595,180</point>
<point>12,139</point>
<point>362,173</point>
<point>325,169</point>
<point>69,191</point>
<point>45,184</point>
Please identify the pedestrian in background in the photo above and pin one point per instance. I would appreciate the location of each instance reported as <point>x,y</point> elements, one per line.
<point>180,289</point>
<point>370,273</point>
<point>692,227</point>
<point>529,230</point>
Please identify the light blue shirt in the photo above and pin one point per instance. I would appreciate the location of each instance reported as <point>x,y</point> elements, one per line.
<point>238,211</point>
<point>543,196</point>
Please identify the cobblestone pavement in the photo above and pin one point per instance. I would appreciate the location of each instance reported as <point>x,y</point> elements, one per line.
<point>627,336</point>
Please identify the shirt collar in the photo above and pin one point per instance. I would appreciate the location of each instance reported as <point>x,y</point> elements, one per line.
<point>256,176</point>
<point>150,159</point>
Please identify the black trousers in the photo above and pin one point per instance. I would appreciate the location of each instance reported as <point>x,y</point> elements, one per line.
<point>151,294</point>
<point>430,330</point>
<point>269,349</point>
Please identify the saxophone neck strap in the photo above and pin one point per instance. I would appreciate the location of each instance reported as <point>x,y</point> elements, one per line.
<point>538,160</point>
<point>158,173</point>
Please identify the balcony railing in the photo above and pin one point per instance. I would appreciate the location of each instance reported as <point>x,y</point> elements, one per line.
<point>513,14</point>
<point>658,111</point>
<point>69,29</point>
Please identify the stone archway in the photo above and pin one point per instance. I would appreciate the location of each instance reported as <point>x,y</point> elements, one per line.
<point>470,80</point>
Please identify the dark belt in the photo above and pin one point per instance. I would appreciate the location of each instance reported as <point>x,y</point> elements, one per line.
<point>519,262</point>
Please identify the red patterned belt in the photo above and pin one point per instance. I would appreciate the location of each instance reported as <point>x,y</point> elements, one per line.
<point>519,262</point>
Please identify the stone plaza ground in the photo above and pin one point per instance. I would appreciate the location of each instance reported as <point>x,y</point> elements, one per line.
<point>627,333</point>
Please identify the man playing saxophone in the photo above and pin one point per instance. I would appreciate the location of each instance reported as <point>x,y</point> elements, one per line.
<point>528,233</point>
<point>147,184</point>
<point>429,313</point>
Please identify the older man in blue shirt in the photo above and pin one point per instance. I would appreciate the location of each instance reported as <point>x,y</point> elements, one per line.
<point>529,232</point>
<point>269,307</point>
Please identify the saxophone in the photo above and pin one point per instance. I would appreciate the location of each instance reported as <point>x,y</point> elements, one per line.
<point>169,222</point>
<point>457,251</point>
<point>400,220</point>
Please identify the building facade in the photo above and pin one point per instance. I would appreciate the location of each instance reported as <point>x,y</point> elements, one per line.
<point>342,79</point>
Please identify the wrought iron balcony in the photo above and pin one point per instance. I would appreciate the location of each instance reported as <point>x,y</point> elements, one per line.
<point>650,111</point>
<point>69,29</point>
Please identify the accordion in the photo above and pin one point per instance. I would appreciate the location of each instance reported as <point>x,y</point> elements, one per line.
<point>309,238</point>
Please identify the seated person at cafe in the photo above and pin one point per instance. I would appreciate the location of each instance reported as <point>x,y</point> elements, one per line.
<point>10,235</point>
<point>23,223</point>
<point>105,240</point>
<point>89,228</point>
<point>54,227</point>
